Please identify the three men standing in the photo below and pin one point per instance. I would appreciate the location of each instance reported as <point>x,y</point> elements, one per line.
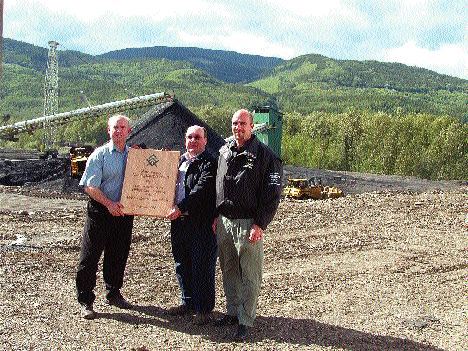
<point>243,190</point>
<point>192,238</point>
<point>248,191</point>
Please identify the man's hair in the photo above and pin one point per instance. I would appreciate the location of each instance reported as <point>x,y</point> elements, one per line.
<point>197,126</point>
<point>116,117</point>
<point>243,111</point>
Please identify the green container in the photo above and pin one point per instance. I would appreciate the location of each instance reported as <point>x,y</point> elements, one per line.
<point>273,134</point>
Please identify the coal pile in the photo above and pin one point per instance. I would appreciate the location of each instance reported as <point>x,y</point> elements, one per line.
<point>22,168</point>
<point>162,127</point>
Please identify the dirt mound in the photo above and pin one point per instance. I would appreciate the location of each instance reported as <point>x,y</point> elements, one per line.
<point>24,171</point>
<point>358,183</point>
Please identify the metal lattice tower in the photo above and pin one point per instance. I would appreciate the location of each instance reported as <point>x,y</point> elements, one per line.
<point>51,81</point>
<point>51,92</point>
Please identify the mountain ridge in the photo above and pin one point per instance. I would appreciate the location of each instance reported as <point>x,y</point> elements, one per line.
<point>202,77</point>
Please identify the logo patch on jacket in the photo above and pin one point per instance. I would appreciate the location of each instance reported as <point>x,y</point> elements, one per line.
<point>250,159</point>
<point>274,178</point>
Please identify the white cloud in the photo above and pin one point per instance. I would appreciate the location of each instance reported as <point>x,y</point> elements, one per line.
<point>307,8</point>
<point>451,59</point>
<point>157,10</point>
<point>255,44</point>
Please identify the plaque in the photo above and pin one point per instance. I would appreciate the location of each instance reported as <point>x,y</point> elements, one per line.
<point>150,182</point>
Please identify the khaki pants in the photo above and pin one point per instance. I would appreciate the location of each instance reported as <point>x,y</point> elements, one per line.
<point>241,263</point>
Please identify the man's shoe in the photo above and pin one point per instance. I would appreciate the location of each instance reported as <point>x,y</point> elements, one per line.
<point>242,333</point>
<point>180,310</point>
<point>226,320</point>
<point>120,302</point>
<point>87,312</point>
<point>201,319</point>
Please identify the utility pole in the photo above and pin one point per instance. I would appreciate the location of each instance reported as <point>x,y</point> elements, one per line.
<point>1,39</point>
<point>51,81</point>
<point>51,92</point>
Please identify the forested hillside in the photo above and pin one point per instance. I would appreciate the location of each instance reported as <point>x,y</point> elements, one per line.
<point>317,83</point>
<point>228,66</point>
<point>347,115</point>
<point>35,57</point>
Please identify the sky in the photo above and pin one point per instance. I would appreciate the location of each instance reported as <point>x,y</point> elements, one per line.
<point>432,34</point>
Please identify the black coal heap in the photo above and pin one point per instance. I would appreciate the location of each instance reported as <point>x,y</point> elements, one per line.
<point>164,127</point>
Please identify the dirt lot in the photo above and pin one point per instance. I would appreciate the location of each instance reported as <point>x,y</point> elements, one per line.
<point>383,268</point>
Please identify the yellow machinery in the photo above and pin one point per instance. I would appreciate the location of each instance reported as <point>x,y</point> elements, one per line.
<point>78,157</point>
<point>301,188</point>
<point>332,192</point>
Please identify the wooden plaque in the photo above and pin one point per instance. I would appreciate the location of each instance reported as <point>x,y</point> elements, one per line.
<point>150,181</point>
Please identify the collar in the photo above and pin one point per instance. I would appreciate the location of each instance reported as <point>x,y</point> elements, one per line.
<point>250,146</point>
<point>185,157</point>
<point>113,147</point>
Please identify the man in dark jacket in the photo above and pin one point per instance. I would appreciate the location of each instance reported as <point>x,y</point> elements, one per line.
<point>192,238</point>
<point>248,190</point>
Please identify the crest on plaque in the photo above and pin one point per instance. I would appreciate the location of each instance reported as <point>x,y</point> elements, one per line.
<point>152,160</point>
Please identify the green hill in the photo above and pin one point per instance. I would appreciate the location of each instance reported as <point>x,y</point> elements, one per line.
<point>22,92</point>
<point>363,116</point>
<point>228,66</point>
<point>35,57</point>
<point>317,83</point>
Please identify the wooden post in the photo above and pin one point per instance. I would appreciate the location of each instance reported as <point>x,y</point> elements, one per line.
<point>1,38</point>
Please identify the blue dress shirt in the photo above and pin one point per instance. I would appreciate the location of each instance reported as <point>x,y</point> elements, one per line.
<point>105,169</point>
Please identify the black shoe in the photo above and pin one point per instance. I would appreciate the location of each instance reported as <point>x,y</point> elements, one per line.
<point>180,310</point>
<point>242,333</point>
<point>226,320</point>
<point>87,312</point>
<point>201,318</point>
<point>120,302</point>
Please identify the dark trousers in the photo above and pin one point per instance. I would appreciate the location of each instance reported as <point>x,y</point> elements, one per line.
<point>111,235</point>
<point>194,250</point>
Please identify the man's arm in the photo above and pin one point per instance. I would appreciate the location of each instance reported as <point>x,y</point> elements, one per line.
<point>203,190</point>
<point>270,193</point>
<point>115,208</point>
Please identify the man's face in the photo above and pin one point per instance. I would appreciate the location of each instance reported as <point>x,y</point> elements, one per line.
<point>241,127</point>
<point>195,140</point>
<point>118,130</point>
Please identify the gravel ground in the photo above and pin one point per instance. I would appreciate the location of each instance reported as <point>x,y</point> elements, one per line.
<point>375,270</point>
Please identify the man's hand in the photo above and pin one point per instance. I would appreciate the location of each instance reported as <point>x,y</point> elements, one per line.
<point>256,233</point>
<point>174,213</point>
<point>214,225</point>
<point>115,208</point>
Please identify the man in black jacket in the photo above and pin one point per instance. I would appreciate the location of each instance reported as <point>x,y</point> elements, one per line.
<point>192,238</point>
<point>248,190</point>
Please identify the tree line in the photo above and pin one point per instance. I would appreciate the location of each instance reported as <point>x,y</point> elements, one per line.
<point>421,145</point>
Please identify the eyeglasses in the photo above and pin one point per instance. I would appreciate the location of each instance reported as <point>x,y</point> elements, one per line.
<point>195,137</point>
